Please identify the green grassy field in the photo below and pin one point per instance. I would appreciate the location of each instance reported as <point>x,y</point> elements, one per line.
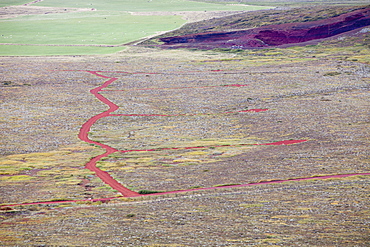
<point>5,3</point>
<point>146,5</point>
<point>289,3</point>
<point>109,24</point>
<point>88,28</point>
<point>29,50</point>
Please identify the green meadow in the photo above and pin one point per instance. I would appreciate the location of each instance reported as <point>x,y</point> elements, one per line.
<point>146,5</point>
<point>110,23</point>
<point>29,50</point>
<point>4,3</point>
<point>89,28</point>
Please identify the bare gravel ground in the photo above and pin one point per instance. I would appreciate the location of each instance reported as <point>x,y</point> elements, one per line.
<point>320,213</point>
<point>44,102</point>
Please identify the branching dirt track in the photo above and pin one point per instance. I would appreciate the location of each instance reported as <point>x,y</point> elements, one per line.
<point>109,149</point>
<point>150,136</point>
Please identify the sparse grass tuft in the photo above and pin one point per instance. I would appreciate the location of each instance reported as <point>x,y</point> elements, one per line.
<point>334,73</point>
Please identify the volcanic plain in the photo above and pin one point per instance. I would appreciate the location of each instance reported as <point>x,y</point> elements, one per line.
<point>195,135</point>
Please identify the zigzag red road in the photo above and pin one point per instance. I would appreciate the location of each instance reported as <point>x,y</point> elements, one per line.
<point>86,127</point>
<point>196,189</point>
<point>91,165</point>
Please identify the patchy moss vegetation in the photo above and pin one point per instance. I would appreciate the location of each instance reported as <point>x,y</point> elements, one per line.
<point>42,175</point>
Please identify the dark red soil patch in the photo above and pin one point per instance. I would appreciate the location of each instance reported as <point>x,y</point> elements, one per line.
<point>272,35</point>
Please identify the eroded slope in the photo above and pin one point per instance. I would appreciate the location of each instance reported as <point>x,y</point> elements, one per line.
<point>273,35</point>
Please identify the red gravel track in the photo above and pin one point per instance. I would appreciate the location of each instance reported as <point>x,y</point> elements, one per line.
<point>84,136</point>
<point>107,178</point>
<point>196,189</point>
<point>85,129</point>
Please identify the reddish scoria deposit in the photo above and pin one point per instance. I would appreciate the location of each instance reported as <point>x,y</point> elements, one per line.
<point>272,35</point>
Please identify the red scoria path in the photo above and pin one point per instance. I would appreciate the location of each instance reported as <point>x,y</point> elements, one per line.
<point>86,127</point>
<point>107,178</point>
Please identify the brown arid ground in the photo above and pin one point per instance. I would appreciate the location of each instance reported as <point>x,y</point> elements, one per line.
<point>189,99</point>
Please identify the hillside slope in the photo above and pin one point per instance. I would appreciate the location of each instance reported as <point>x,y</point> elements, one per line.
<point>274,35</point>
<point>267,28</point>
